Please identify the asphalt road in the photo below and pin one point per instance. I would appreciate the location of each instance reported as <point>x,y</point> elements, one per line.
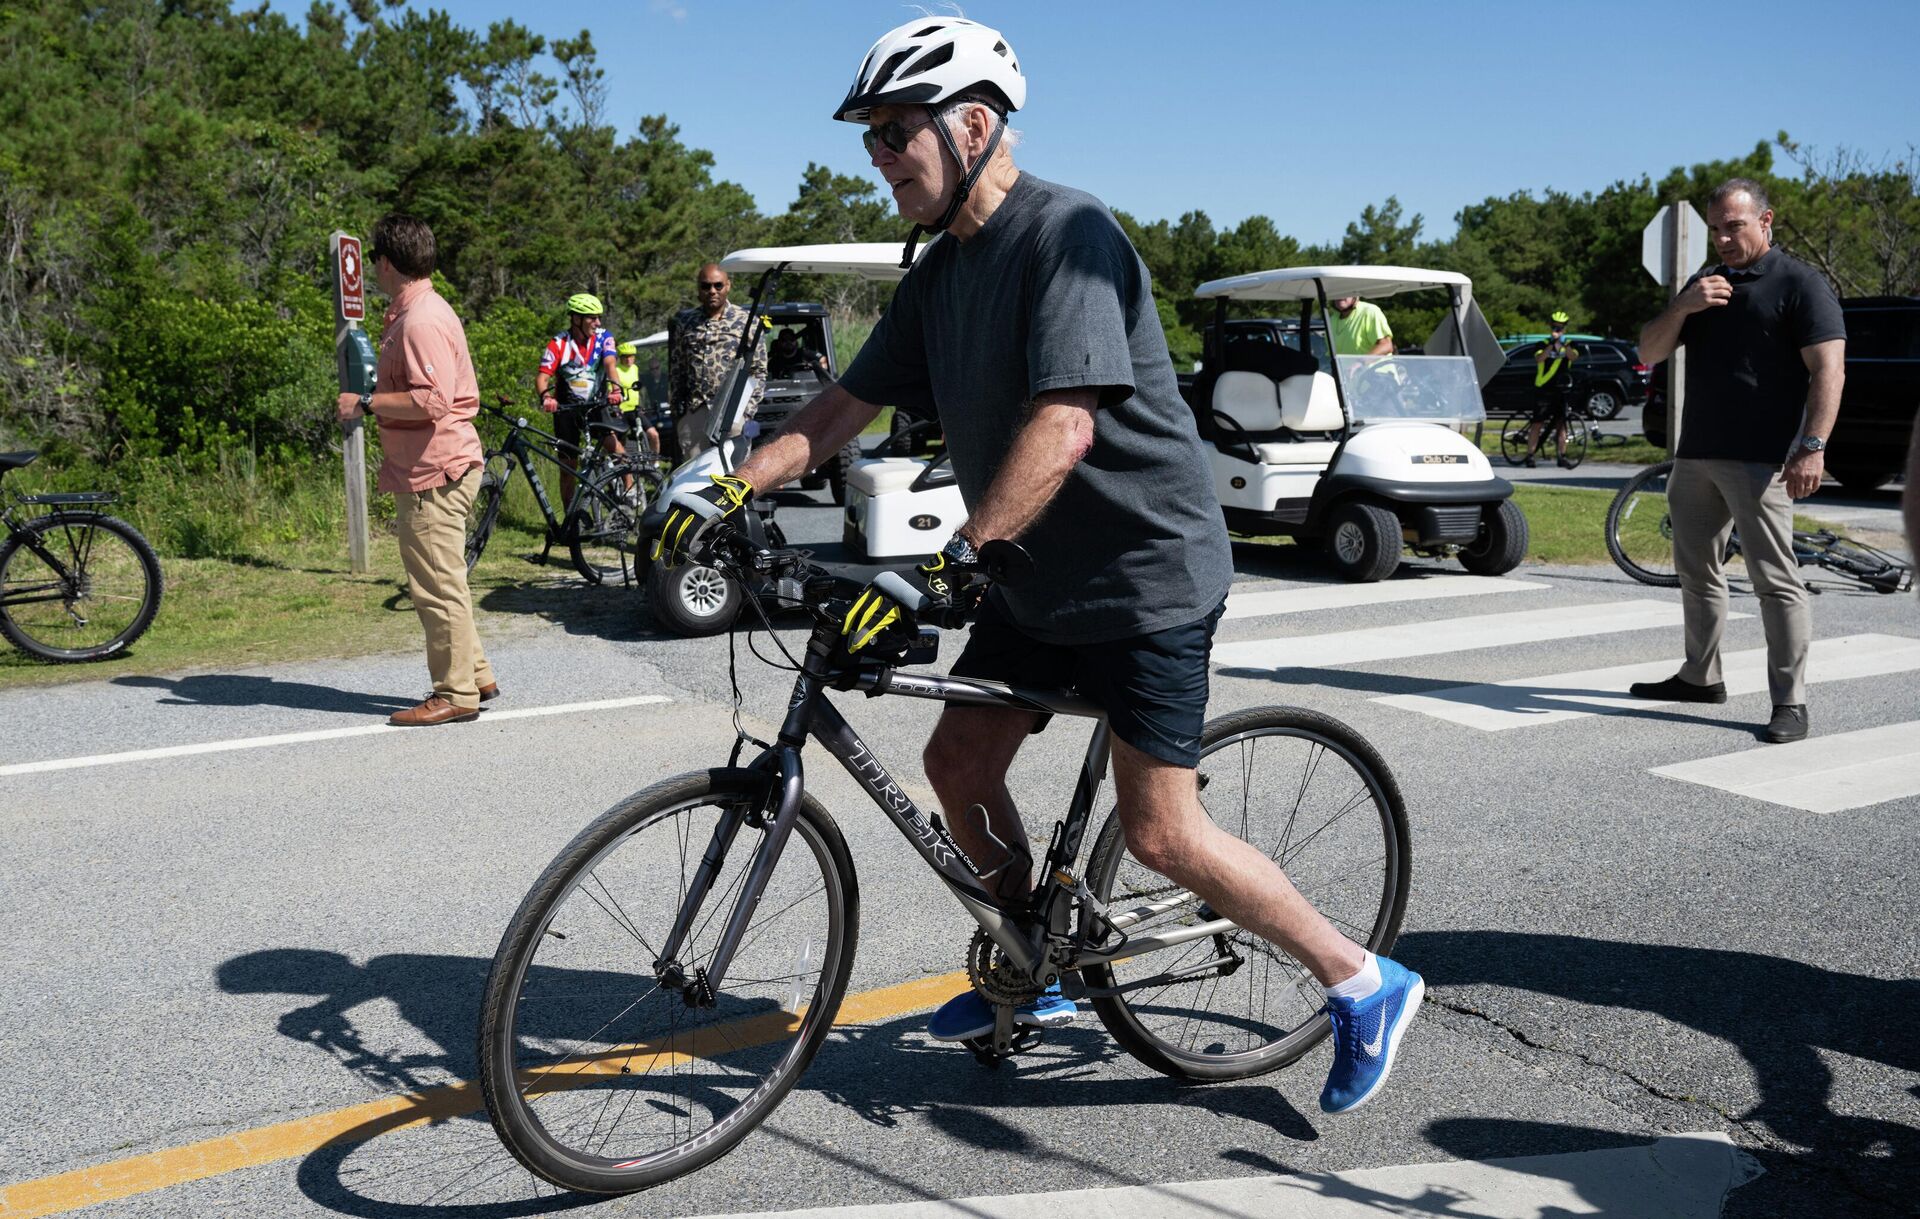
<point>212,955</point>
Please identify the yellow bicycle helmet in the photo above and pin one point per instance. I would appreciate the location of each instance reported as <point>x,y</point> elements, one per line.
<point>585,302</point>
<point>1559,317</point>
<point>628,348</point>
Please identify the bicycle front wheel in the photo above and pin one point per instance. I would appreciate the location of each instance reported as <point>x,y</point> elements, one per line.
<point>93,591</point>
<point>1314,797</point>
<point>602,1069</point>
<point>1513,443</point>
<point>486,507</point>
<point>1640,528</point>
<point>606,524</point>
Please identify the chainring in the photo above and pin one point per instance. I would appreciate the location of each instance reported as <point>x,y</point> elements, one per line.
<point>997,979</point>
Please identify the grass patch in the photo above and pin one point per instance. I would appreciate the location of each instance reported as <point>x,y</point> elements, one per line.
<point>256,571</point>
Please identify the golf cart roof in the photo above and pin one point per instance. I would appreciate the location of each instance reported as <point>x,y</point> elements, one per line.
<point>1299,283</point>
<point>877,260</point>
<point>656,339</point>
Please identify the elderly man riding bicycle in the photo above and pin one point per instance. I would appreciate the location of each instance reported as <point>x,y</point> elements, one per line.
<point>1029,330</point>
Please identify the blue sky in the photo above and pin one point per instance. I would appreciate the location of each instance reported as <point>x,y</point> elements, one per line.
<point>1306,112</point>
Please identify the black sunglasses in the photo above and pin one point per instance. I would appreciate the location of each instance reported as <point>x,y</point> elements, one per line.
<point>892,133</point>
<point>713,287</point>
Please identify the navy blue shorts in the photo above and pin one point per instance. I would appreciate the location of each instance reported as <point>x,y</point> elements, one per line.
<point>1154,687</point>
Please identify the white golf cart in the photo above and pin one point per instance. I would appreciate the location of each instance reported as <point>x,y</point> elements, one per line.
<point>1364,455</point>
<point>697,600</point>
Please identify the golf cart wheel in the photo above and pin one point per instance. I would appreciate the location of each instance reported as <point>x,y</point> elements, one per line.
<point>1363,541</point>
<point>1502,542</point>
<point>1603,402</point>
<point>837,470</point>
<point>692,600</point>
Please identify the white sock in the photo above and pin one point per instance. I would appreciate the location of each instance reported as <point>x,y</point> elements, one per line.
<point>1360,985</point>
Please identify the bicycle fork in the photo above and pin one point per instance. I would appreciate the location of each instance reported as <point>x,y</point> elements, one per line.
<point>758,789</point>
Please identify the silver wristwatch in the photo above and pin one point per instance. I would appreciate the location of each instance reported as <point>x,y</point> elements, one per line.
<point>1812,444</point>
<point>960,551</point>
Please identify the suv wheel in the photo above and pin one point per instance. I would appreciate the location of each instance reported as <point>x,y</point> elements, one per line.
<point>1603,402</point>
<point>837,470</point>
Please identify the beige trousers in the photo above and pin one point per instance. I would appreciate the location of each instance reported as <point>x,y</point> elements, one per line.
<point>433,538</point>
<point>1705,500</point>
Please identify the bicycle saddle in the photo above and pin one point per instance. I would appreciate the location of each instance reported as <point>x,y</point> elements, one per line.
<point>13,461</point>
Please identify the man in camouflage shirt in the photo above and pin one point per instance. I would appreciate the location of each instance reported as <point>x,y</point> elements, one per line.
<point>702,348</point>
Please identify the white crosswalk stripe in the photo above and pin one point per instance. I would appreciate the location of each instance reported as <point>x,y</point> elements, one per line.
<point>1823,774</point>
<point>1433,638</point>
<point>1257,600</point>
<point>1530,701</point>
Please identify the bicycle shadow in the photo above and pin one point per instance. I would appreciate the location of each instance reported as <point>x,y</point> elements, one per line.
<point>881,1073</point>
<point>251,690</point>
<point>1782,1017</point>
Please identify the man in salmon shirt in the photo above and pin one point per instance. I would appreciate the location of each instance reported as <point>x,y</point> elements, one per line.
<point>425,397</point>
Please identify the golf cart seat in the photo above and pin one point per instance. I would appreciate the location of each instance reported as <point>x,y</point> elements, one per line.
<point>1252,411</point>
<point>879,475</point>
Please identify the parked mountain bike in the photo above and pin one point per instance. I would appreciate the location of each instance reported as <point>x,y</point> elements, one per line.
<point>1640,539</point>
<point>1518,449</point>
<point>75,583</point>
<point>600,524</point>
<point>675,968</point>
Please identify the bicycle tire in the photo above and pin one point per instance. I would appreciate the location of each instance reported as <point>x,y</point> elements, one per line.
<point>609,518</point>
<point>486,513</point>
<point>1640,529</point>
<point>1513,444</point>
<point>538,1113</point>
<point>1183,1037</point>
<point>54,629</point>
<point>1579,436</point>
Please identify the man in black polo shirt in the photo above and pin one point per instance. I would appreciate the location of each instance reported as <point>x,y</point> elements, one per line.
<point>1766,351</point>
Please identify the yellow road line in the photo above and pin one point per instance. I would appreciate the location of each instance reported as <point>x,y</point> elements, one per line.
<point>356,1124</point>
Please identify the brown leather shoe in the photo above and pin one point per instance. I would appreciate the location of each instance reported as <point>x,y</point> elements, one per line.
<point>435,710</point>
<point>490,691</point>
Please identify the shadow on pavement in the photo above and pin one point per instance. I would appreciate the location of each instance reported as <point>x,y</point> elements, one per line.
<point>235,690</point>
<point>1780,1015</point>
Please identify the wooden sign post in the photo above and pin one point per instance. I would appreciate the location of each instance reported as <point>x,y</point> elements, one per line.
<point>352,354</point>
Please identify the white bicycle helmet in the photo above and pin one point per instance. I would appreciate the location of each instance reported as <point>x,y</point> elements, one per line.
<point>930,61</point>
<point>925,62</point>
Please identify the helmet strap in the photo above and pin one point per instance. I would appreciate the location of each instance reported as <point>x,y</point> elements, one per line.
<point>968,178</point>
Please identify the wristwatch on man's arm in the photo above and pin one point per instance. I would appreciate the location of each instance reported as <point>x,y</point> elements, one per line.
<point>1810,444</point>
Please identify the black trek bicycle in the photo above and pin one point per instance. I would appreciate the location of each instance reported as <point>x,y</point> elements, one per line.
<point>675,968</point>
<point>75,583</point>
<point>1640,539</point>
<point>600,524</point>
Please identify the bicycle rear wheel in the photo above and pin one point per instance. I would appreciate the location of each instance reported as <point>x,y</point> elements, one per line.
<point>1640,529</point>
<point>1310,794</point>
<point>1579,436</point>
<point>96,590</point>
<point>598,1072</point>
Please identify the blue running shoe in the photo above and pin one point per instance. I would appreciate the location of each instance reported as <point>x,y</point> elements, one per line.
<point>1366,1035</point>
<point>967,1015</point>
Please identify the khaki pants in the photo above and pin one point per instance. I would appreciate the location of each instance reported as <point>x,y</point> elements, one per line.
<point>1705,500</point>
<point>433,537</point>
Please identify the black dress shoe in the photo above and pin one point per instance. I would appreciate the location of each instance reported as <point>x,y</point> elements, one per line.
<point>1677,690</point>
<point>490,691</point>
<point>1789,723</point>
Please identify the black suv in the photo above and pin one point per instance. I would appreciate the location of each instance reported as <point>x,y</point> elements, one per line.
<point>1868,447</point>
<point>1607,377</point>
<point>791,384</point>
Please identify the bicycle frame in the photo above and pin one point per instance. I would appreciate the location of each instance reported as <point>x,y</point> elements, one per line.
<point>33,540</point>
<point>774,782</point>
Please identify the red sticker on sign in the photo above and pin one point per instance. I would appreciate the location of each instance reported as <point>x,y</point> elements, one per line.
<point>349,273</point>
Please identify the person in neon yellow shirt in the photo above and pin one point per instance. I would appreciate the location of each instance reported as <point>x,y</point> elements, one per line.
<point>1359,328</point>
<point>627,373</point>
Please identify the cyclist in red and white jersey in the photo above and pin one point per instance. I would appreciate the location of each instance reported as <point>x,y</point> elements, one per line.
<point>577,368</point>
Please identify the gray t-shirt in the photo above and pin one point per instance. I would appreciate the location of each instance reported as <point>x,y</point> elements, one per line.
<point>1049,294</point>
